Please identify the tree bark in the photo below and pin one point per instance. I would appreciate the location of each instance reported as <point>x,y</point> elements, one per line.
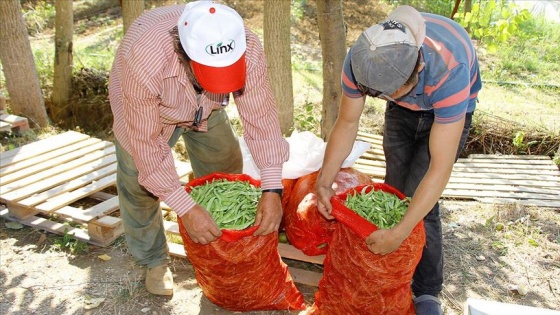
<point>131,9</point>
<point>22,81</point>
<point>276,28</point>
<point>63,38</point>
<point>333,46</point>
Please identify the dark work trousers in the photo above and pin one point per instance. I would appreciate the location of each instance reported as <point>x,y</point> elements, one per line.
<point>407,156</point>
<point>217,150</point>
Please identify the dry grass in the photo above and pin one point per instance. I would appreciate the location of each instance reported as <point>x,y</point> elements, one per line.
<point>507,253</point>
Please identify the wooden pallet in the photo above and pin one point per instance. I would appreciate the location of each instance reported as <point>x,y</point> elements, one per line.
<point>41,183</point>
<point>527,180</point>
<point>13,123</point>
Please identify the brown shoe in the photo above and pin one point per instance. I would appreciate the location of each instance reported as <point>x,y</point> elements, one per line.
<point>159,280</point>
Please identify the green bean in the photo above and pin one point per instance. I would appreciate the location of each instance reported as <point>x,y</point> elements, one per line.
<point>232,204</point>
<point>383,209</point>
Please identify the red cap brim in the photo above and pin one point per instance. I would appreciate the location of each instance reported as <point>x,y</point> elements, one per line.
<point>221,80</point>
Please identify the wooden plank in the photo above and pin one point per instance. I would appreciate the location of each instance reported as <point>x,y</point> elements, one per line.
<point>100,210</point>
<point>70,185</point>
<point>21,189</point>
<point>47,156</point>
<point>4,126</point>
<point>373,157</point>
<point>371,171</point>
<point>73,169</point>
<point>306,277</point>
<point>494,187</point>
<point>16,121</point>
<point>49,162</point>
<point>526,202</point>
<point>508,161</point>
<point>177,250</point>
<point>536,173</point>
<point>108,221</point>
<point>54,227</point>
<point>105,233</point>
<point>171,227</point>
<point>378,153</point>
<point>458,193</point>
<point>69,197</point>
<point>372,163</point>
<point>184,170</point>
<point>290,252</point>
<point>370,137</point>
<point>472,177</point>
<point>508,166</point>
<point>513,157</point>
<point>40,147</point>
<point>475,306</point>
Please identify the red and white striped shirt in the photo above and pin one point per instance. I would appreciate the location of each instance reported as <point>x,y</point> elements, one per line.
<point>150,94</point>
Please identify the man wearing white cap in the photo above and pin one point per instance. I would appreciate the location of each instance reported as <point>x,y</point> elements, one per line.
<point>425,66</point>
<point>172,76</point>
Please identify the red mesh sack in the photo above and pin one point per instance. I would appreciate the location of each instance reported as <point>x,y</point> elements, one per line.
<point>239,271</point>
<point>356,281</point>
<point>306,229</point>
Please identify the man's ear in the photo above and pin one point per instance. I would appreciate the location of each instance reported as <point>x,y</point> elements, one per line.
<point>421,67</point>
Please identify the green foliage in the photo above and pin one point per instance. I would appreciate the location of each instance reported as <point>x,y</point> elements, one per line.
<point>297,10</point>
<point>44,62</point>
<point>532,53</point>
<point>306,119</point>
<point>71,244</point>
<point>38,16</point>
<point>521,144</point>
<point>493,22</point>
<point>441,7</point>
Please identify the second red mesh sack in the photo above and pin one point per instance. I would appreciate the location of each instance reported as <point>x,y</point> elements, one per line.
<point>306,228</point>
<point>356,281</point>
<point>239,271</point>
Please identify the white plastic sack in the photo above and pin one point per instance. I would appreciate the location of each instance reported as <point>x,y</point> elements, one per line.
<point>306,155</point>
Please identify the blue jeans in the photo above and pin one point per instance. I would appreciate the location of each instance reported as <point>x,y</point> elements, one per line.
<point>407,156</point>
<point>217,150</point>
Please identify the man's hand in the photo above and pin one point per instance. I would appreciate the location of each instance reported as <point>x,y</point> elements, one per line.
<point>384,242</point>
<point>324,206</point>
<point>269,213</point>
<point>200,226</point>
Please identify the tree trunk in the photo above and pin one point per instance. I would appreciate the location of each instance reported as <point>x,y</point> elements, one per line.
<point>468,8</point>
<point>62,80</point>
<point>131,9</point>
<point>333,46</point>
<point>276,28</point>
<point>22,81</point>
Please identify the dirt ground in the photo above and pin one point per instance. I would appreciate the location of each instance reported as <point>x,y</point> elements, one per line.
<point>506,253</point>
<point>502,253</point>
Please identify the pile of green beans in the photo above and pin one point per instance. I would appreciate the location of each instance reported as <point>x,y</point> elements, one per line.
<point>232,204</point>
<point>381,208</point>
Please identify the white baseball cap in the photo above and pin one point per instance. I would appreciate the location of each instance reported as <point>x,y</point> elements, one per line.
<point>213,36</point>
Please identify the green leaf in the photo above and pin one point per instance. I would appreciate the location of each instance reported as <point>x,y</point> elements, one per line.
<point>14,225</point>
<point>492,48</point>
